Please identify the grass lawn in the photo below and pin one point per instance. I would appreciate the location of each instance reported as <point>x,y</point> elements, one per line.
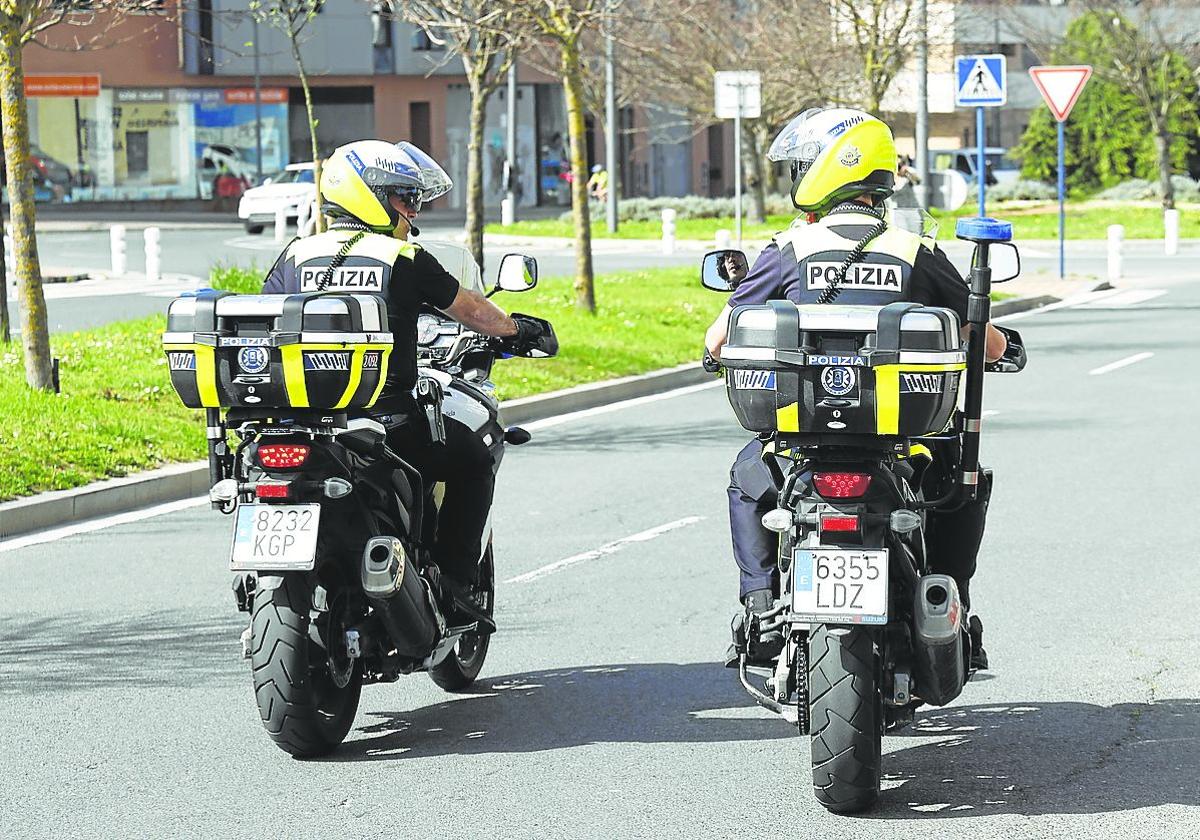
<point>118,413</point>
<point>1031,220</point>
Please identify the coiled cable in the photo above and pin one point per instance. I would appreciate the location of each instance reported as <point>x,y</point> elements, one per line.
<point>834,287</point>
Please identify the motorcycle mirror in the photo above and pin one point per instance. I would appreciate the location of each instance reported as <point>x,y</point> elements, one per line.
<point>518,273</point>
<point>1005,260</point>
<point>722,271</point>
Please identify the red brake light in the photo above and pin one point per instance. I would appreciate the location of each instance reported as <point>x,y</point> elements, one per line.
<point>841,485</point>
<point>282,456</point>
<point>272,491</point>
<point>839,522</point>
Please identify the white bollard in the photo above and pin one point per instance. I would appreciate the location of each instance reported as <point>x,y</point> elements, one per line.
<point>153,254</point>
<point>303,214</point>
<point>668,231</point>
<point>507,214</point>
<point>116,243</point>
<point>280,225</point>
<point>1171,232</point>
<point>1116,240</point>
<point>724,239</point>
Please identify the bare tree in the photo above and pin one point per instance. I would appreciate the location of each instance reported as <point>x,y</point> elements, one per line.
<point>485,35</point>
<point>562,24</point>
<point>1147,49</point>
<point>291,17</point>
<point>880,36</point>
<point>21,22</point>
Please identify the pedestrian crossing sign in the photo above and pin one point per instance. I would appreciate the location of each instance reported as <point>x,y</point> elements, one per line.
<point>981,81</point>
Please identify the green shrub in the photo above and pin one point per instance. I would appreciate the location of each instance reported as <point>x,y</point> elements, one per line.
<point>691,207</point>
<point>241,281</point>
<point>1139,189</point>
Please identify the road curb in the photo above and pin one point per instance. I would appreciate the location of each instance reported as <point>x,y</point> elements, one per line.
<point>184,481</point>
<point>1012,307</point>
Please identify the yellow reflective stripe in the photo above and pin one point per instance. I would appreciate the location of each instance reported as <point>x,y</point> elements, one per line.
<point>920,449</point>
<point>887,400</point>
<point>293,374</point>
<point>409,250</point>
<point>355,377</point>
<point>383,366</point>
<point>787,418</point>
<point>206,376</point>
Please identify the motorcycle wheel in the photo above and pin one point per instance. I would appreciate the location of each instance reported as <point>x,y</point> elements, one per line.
<point>846,714</point>
<point>306,687</point>
<point>462,666</point>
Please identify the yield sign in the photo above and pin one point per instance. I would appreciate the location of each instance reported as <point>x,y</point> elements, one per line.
<point>1061,85</point>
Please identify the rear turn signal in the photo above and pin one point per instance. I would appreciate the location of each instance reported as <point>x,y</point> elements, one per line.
<point>282,456</point>
<point>841,485</point>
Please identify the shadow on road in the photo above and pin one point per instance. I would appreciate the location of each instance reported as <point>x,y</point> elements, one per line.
<point>683,435</point>
<point>75,652</point>
<point>1045,758</point>
<point>547,710</point>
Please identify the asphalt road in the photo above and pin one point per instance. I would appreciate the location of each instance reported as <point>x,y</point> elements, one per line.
<point>602,712</point>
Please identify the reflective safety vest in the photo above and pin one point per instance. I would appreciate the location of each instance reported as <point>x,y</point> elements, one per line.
<point>882,275</point>
<point>366,269</point>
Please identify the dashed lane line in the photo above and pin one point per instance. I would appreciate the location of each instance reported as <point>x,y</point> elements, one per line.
<point>1120,363</point>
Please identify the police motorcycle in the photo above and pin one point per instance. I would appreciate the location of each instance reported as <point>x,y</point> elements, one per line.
<point>332,530</point>
<point>847,397</point>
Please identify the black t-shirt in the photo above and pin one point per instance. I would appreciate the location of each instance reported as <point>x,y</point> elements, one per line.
<point>421,280</point>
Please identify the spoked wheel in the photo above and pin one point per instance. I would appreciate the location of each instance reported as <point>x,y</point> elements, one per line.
<point>462,666</point>
<point>846,710</point>
<point>306,685</point>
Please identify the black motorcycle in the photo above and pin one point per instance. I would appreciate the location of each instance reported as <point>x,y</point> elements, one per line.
<point>333,530</point>
<point>849,400</point>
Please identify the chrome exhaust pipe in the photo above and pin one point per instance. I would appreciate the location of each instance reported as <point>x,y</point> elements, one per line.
<point>940,666</point>
<point>401,597</point>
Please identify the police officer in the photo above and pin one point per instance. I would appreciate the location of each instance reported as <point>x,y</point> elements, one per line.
<point>843,165</point>
<point>373,190</point>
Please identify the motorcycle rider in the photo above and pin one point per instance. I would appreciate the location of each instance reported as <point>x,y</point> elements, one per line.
<point>373,191</point>
<point>843,165</point>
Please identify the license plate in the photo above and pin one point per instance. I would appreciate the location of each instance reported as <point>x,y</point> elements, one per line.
<point>275,538</point>
<point>840,586</point>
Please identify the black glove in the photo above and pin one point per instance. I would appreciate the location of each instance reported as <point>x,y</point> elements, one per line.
<point>709,363</point>
<point>530,334</point>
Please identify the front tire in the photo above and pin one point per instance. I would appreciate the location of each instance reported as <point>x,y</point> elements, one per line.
<point>462,666</point>
<point>846,714</point>
<point>307,698</point>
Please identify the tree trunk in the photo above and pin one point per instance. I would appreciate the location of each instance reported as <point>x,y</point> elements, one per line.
<point>478,115</point>
<point>762,143</point>
<point>1162,147</point>
<point>318,219</point>
<point>35,335</point>
<point>752,168</point>
<point>5,325</point>
<point>572,70</point>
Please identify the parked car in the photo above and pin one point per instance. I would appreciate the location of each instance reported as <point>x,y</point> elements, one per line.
<point>1000,167</point>
<point>288,189</point>
<point>52,179</point>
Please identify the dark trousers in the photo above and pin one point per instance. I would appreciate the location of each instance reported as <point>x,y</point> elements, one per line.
<point>952,538</point>
<point>465,465</point>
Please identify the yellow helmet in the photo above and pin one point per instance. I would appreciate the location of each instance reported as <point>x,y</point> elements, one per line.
<point>359,178</point>
<point>836,154</point>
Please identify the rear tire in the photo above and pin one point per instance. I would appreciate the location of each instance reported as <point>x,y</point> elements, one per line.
<point>846,713</point>
<point>462,666</point>
<point>307,705</point>
<point>252,229</point>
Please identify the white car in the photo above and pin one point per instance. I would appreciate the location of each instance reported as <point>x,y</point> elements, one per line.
<point>288,189</point>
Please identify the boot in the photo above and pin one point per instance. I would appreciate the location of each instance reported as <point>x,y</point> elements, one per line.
<point>767,646</point>
<point>979,657</point>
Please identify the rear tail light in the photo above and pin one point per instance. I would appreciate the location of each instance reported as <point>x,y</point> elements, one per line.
<point>839,522</point>
<point>272,490</point>
<point>841,485</point>
<point>282,456</point>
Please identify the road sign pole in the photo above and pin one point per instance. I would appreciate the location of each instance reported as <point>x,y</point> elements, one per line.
<point>981,165</point>
<point>1062,211</point>
<point>737,171</point>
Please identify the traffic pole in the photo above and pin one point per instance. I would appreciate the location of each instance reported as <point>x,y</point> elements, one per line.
<point>737,170</point>
<point>1062,205</point>
<point>982,163</point>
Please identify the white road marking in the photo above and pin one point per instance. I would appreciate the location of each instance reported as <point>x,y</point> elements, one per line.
<point>604,550</point>
<point>1126,297</point>
<point>1120,363</point>
<point>90,525</point>
<point>617,406</point>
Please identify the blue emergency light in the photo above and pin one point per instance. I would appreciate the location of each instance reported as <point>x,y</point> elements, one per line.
<point>983,229</point>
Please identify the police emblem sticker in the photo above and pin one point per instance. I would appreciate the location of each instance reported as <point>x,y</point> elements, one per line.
<point>850,156</point>
<point>838,381</point>
<point>253,359</point>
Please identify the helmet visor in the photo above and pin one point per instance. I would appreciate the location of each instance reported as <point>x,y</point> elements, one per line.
<point>434,180</point>
<point>798,141</point>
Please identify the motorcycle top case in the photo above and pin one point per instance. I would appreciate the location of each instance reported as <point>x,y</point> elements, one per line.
<point>867,370</point>
<point>324,350</point>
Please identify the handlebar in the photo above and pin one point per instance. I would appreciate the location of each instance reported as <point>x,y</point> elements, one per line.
<point>710,363</point>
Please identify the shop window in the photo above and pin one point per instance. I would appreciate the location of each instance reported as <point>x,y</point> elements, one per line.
<point>137,152</point>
